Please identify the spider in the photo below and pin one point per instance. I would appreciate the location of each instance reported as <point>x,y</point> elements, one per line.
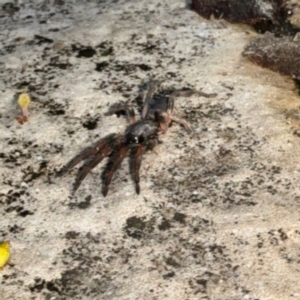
<point>141,135</point>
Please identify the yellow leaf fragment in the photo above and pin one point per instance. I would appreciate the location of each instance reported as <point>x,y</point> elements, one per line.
<point>23,102</point>
<point>4,253</point>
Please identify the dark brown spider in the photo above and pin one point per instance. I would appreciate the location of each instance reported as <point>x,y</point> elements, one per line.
<point>139,136</point>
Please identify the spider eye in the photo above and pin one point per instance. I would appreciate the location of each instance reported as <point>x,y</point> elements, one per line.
<point>133,139</point>
<point>141,139</point>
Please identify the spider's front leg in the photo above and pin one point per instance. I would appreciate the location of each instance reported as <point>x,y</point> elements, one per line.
<point>139,137</point>
<point>168,114</point>
<point>136,161</point>
<point>152,88</point>
<point>164,118</point>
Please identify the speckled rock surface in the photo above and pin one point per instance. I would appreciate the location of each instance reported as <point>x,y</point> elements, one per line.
<point>277,54</point>
<point>218,214</point>
<point>243,11</point>
<point>295,8</point>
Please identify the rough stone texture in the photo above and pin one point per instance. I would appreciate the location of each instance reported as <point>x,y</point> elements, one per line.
<point>276,16</point>
<point>278,54</point>
<point>294,9</point>
<point>218,214</point>
<point>238,11</point>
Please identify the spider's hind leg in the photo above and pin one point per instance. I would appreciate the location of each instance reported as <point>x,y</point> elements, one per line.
<point>103,150</point>
<point>88,152</point>
<point>135,165</point>
<point>92,156</point>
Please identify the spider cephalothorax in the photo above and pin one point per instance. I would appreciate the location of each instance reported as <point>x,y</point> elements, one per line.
<point>142,135</point>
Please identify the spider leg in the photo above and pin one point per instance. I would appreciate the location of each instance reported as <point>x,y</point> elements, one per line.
<point>135,165</point>
<point>170,102</point>
<point>90,151</point>
<point>163,120</point>
<point>122,108</point>
<point>112,166</point>
<point>169,116</point>
<point>148,95</point>
<point>90,164</point>
<point>183,122</point>
<point>136,161</point>
<point>191,92</point>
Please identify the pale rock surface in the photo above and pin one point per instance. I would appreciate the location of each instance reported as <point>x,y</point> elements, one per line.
<point>218,214</point>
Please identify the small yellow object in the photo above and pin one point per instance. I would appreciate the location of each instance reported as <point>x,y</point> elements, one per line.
<point>4,253</point>
<point>23,102</point>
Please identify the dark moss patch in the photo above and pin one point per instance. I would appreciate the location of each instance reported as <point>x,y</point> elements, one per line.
<point>172,262</point>
<point>30,174</point>
<point>42,40</point>
<point>106,48</point>
<point>149,47</point>
<point>38,285</point>
<point>88,269</point>
<point>283,235</point>
<point>86,52</point>
<point>144,67</point>
<point>50,286</point>
<point>24,213</point>
<point>135,226</point>
<point>91,124</point>
<point>101,66</point>
<point>15,201</point>
<point>15,229</point>
<point>55,109</point>
<point>10,8</point>
<point>164,225</point>
<point>86,203</point>
<point>202,282</point>
<point>54,29</point>
<point>124,67</point>
<point>179,217</point>
<point>169,275</point>
<point>59,2</point>
<point>62,66</point>
<point>21,85</point>
<point>71,235</point>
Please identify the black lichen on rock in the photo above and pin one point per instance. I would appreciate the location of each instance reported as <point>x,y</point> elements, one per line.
<point>101,66</point>
<point>86,52</point>
<point>134,227</point>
